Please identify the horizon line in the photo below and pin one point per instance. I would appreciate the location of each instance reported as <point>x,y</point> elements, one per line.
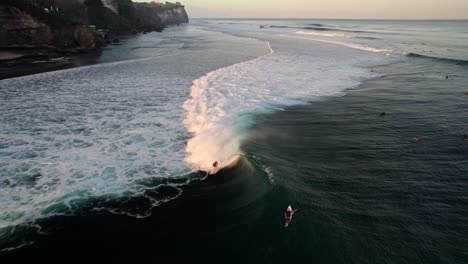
<point>301,18</point>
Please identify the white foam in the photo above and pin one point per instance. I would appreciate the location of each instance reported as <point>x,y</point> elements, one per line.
<point>69,136</point>
<point>206,109</point>
<point>323,34</point>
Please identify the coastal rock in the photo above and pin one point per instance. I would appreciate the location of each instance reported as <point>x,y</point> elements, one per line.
<point>21,29</point>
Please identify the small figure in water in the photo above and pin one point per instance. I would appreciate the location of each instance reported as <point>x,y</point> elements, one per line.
<point>466,92</point>
<point>288,215</point>
<point>383,114</point>
<point>416,140</point>
<point>446,77</point>
<point>465,137</point>
<point>215,164</point>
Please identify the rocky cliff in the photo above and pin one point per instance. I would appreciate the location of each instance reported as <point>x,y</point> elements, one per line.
<point>173,16</point>
<point>21,29</point>
<point>113,5</point>
<point>51,27</point>
<point>21,35</point>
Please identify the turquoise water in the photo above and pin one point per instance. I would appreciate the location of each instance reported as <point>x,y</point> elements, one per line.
<point>118,146</point>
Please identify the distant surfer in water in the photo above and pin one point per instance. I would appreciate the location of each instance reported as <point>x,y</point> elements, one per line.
<point>416,140</point>
<point>465,137</point>
<point>383,114</point>
<point>288,215</point>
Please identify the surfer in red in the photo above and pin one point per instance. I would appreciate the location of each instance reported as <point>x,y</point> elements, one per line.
<point>288,215</point>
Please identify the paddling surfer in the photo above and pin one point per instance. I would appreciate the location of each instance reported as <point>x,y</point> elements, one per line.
<point>288,215</point>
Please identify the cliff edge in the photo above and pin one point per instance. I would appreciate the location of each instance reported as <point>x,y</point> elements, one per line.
<point>168,13</point>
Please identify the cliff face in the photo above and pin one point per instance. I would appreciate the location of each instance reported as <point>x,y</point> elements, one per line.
<point>112,5</point>
<point>18,28</point>
<point>44,34</point>
<point>162,14</point>
<point>149,15</point>
<point>173,16</point>
<point>156,16</point>
<point>50,27</point>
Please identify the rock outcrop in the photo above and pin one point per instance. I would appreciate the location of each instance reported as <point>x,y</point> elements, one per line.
<point>52,27</point>
<point>152,20</point>
<point>173,16</point>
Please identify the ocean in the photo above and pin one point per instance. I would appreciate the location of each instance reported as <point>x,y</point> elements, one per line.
<point>359,124</point>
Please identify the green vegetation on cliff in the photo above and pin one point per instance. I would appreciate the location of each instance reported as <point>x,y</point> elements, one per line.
<point>127,19</point>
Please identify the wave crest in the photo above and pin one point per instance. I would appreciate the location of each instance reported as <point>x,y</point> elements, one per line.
<point>447,60</point>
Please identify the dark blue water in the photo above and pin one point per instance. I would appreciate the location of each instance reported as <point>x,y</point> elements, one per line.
<point>365,193</point>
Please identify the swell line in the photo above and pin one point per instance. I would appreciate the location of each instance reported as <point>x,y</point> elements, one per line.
<point>439,59</point>
<point>349,45</point>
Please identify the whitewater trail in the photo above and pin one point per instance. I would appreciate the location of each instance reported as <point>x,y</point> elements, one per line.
<point>206,116</point>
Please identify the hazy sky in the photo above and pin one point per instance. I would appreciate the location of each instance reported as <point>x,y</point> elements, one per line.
<point>379,9</point>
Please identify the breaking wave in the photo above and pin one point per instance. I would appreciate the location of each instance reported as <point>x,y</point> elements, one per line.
<point>222,103</point>
<point>346,44</point>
